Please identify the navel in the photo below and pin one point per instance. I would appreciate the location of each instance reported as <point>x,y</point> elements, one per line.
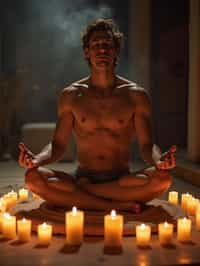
<point>83,119</point>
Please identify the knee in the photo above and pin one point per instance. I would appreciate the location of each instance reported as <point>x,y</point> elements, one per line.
<point>165,179</point>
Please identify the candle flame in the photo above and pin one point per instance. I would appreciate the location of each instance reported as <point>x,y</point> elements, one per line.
<point>44,225</point>
<point>185,220</point>
<point>166,224</point>
<point>74,211</point>
<point>24,220</point>
<point>143,226</point>
<point>7,215</point>
<point>113,214</point>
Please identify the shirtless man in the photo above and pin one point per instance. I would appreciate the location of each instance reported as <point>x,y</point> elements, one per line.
<point>106,112</point>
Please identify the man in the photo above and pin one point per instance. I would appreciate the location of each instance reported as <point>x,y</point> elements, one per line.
<point>106,112</point>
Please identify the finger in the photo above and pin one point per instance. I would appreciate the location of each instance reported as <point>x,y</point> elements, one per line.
<point>173,149</point>
<point>22,146</point>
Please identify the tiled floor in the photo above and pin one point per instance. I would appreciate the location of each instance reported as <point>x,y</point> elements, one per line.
<point>91,253</point>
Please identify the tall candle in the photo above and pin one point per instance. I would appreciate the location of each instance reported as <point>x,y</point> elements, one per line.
<point>113,229</point>
<point>44,233</point>
<point>184,229</point>
<point>74,226</point>
<point>165,231</point>
<point>23,194</point>
<point>24,230</point>
<point>143,235</point>
<point>185,197</point>
<point>173,197</point>
<point>9,226</point>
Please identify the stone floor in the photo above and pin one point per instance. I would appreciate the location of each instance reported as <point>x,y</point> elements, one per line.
<point>92,252</point>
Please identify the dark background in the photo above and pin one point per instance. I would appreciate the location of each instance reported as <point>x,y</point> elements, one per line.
<point>40,53</point>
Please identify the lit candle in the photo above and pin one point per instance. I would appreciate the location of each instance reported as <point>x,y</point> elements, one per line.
<point>185,197</point>
<point>165,231</point>
<point>173,197</point>
<point>143,235</point>
<point>24,230</point>
<point>198,220</point>
<point>13,198</point>
<point>113,229</point>
<point>1,221</point>
<point>44,234</point>
<point>74,226</point>
<point>9,226</point>
<point>191,206</point>
<point>184,229</point>
<point>23,194</point>
<point>2,205</point>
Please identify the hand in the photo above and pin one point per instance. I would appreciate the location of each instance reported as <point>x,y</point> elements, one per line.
<point>26,157</point>
<point>167,160</point>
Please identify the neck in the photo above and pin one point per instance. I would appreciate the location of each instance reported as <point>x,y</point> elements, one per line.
<point>102,80</point>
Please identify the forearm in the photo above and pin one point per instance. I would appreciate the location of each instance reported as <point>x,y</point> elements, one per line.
<point>51,153</point>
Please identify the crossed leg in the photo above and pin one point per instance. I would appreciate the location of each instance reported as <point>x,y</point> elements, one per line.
<point>61,189</point>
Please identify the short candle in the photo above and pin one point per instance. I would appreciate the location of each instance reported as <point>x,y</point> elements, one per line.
<point>24,230</point>
<point>74,221</point>
<point>44,233</point>
<point>197,217</point>
<point>2,205</point>
<point>143,235</point>
<point>185,197</point>
<point>9,226</point>
<point>191,206</point>
<point>165,231</point>
<point>23,194</point>
<point>184,229</point>
<point>113,229</point>
<point>173,197</point>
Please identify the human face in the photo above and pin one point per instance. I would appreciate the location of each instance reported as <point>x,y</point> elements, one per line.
<point>101,51</point>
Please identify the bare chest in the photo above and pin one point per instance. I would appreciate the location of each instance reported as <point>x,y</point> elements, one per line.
<point>112,112</point>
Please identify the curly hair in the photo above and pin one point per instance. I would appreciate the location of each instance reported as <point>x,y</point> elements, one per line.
<point>102,25</point>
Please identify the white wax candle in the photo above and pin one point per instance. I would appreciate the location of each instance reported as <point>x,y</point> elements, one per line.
<point>23,194</point>
<point>191,206</point>
<point>173,197</point>
<point>184,229</point>
<point>198,220</point>
<point>113,229</point>
<point>2,205</point>
<point>143,235</point>
<point>185,197</point>
<point>13,198</point>
<point>44,233</point>
<point>9,226</point>
<point>24,230</point>
<point>165,231</point>
<point>74,221</point>
<point>1,221</point>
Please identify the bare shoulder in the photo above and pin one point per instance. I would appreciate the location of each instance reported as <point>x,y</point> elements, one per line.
<point>69,94</point>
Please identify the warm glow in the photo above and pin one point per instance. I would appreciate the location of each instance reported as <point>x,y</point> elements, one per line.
<point>143,226</point>
<point>74,211</point>
<point>166,224</point>
<point>24,220</point>
<point>44,225</point>
<point>113,214</point>
<point>7,215</point>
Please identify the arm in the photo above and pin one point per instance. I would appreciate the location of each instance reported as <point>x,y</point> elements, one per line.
<point>150,152</point>
<point>53,151</point>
